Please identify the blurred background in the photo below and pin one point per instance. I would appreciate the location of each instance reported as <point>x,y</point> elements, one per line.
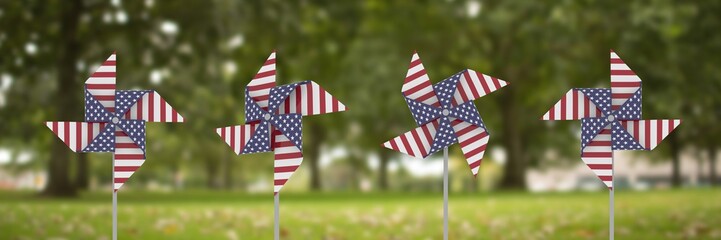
<point>201,54</point>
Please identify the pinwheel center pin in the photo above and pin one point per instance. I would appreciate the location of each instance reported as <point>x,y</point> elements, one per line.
<point>446,112</point>
<point>267,116</point>
<point>610,118</point>
<point>115,120</point>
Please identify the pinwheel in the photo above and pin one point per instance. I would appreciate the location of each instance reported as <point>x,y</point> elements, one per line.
<point>610,120</point>
<point>273,122</point>
<point>445,114</point>
<point>115,122</point>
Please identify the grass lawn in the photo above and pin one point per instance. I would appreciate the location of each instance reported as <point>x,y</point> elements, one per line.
<point>677,214</point>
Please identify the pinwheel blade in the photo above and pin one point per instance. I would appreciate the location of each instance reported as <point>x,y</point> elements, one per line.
<point>127,159</point>
<point>264,80</point>
<point>417,85</point>
<point>237,137</point>
<point>598,156</point>
<point>649,133</point>
<point>473,141</point>
<point>416,142</point>
<point>309,98</point>
<point>76,135</point>
<point>152,107</point>
<point>473,85</point>
<point>288,158</point>
<point>101,84</point>
<point>573,106</point>
<point>624,82</point>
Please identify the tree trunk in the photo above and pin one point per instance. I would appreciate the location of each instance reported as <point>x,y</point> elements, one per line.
<point>713,179</point>
<point>59,183</point>
<point>313,155</point>
<point>514,171</point>
<point>676,161</point>
<point>383,170</point>
<point>81,172</point>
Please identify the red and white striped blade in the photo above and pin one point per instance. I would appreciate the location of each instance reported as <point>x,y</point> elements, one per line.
<point>416,142</point>
<point>76,135</point>
<point>650,133</point>
<point>287,160</point>
<point>624,82</point>
<point>151,107</point>
<point>310,99</point>
<point>598,156</point>
<point>417,85</point>
<point>264,80</point>
<point>573,106</point>
<point>473,85</point>
<point>128,158</point>
<point>473,141</point>
<point>101,84</point>
<point>237,136</point>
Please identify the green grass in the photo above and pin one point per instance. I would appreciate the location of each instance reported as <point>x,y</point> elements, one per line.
<point>678,214</point>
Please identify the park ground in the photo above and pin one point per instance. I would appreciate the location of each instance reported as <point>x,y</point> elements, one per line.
<point>667,214</point>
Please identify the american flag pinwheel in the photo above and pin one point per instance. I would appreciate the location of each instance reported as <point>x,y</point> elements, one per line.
<point>273,121</point>
<point>445,114</point>
<point>115,122</point>
<point>611,120</point>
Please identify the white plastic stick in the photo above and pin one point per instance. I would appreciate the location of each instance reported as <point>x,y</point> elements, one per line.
<point>276,228</point>
<point>445,193</point>
<point>611,202</point>
<point>115,204</point>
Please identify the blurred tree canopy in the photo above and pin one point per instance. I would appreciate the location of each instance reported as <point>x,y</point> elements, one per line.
<point>201,54</point>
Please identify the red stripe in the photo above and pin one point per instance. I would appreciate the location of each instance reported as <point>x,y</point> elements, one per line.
<point>67,133</point>
<point>162,109</point>
<point>406,145</point>
<point>279,181</point>
<point>151,106</point>
<point>120,134</point>
<point>260,86</point>
<point>552,112</point>
<point>288,155</point>
<point>336,106</point>
<point>242,137</point>
<point>606,178</point>
<point>417,88</point>
<point>284,144</point>
<point>575,104</point>
<point>427,133</point>
<point>648,133</point>
<point>475,164</point>
<point>496,83</point>
<point>232,137</point>
<point>605,131</point>
<point>129,157</point>
<point>473,139</point>
<point>597,154</point>
<point>103,74</point>
<point>222,133</point>
<point>659,131</point>
<point>472,86</point>
<point>285,169</point>
<point>462,91</point>
<point>100,86</point>
<point>120,180</point>
<point>125,145</point>
<point>586,106</point>
<point>264,74</point>
<point>415,75</point>
<point>476,151</point>
<point>481,79</point>
<point>126,168</point>
<point>309,96</point>
<point>617,61</point>
<point>418,142</point>
<point>622,72</point>
<point>426,96</point>
<point>414,63</point>
<point>625,84</point>
<point>104,97</point>
<point>269,62</point>
<point>635,129</point>
<point>78,135</point>
<point>139,108</point>
<point>109,63</point>
<point>596,143</point>
<point>90,133</point>
<point>174,115</point>
<point>465,130</point>
<point>600,166</point>
<point>394,146</point>
<point>621,95</point>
